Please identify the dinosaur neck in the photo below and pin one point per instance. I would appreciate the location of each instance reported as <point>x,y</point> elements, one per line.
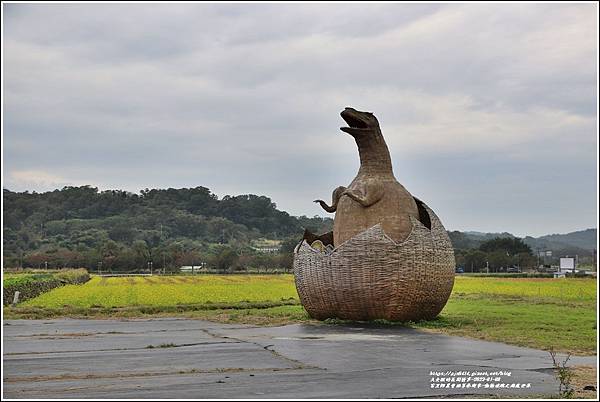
<point>374,155</point>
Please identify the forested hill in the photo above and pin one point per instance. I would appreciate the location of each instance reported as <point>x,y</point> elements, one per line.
<point>584,239</point>
<point>82,219</point>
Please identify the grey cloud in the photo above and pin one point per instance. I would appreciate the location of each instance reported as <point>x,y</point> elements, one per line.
<point>245,98</point>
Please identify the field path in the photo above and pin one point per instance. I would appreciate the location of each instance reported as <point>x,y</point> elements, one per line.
<point>183,358</point>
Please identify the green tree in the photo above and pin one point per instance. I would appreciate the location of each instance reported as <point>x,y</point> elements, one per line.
<point>475,260</point>
<point>511,246</point>
<point>499,259</point>
<point>226,260</point>
<point>109,253</point>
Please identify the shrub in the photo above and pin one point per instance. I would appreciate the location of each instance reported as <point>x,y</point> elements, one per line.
<point>73,276</point>
<point>32,285</point>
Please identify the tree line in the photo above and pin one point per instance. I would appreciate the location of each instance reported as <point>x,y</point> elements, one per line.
<point>122,231</point>
<point>166,229</point>
<point>495,255</point>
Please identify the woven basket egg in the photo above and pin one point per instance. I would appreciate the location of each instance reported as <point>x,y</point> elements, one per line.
<point>370,276</point>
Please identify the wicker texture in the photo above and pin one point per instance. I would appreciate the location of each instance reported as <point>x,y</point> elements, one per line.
<point>370,276</point>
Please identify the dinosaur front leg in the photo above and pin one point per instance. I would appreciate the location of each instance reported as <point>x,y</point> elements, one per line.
<point>372,192</point>
<point>335,197</point>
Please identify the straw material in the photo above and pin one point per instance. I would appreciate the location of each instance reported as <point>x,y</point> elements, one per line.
<point>370,276</point>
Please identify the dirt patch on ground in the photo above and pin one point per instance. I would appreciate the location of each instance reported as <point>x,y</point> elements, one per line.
<point>584,376</point>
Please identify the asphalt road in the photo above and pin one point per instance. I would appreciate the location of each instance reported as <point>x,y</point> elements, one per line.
<point>181,358</point>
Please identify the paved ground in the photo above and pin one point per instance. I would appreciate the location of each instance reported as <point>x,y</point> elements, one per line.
<point>199,359</point>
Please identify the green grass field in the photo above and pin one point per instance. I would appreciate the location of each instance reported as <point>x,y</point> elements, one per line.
<point>541,313</point>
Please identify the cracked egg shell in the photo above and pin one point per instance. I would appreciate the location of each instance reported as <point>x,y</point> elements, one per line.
<point>370,276</point>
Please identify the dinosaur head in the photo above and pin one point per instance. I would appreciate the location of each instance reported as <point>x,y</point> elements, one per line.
<point>359,123</point>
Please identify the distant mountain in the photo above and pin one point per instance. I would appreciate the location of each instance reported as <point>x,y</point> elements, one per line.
<point>569,243</point>
<point>472,239</point>
<point>581,242</point>
<point>487,236</point>
<point>585,239</point>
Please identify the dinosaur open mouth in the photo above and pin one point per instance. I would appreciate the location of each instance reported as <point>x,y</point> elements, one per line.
<point>353,122</point>
<point>356,125</point>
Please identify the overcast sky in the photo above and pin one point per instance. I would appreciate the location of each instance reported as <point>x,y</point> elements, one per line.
<point>489,110</point>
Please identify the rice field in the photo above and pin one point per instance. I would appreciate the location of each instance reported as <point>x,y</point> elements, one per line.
<point>576,289</point>
<point>204,289</point>
<point>169,291</point>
